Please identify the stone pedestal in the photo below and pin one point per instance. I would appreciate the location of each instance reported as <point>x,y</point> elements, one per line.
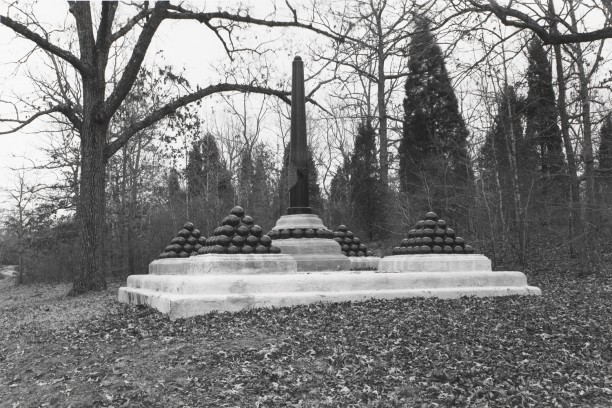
<point>311,254</point>
<point>435,263</point>
<point>364,262</point>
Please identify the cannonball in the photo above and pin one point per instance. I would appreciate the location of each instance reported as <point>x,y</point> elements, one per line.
<point>459,241</point>
<point>345,248</point>
<point>360,253</point>
<point>247,249</point>
<point>352,253</point>
<point>429,224</point>
<point>192,241</point>
<point>237,211</point>
<point>274,249</point>
<point>232,220</point>
<point>354,248</point>
<point>468,249</point>
<point>458,249</point>
<point>437,249</point>
<point>247,220</point>
<point>405,242</point>
<point>409,251</point>
<point>187,248</point>
<point>426,241</point>
<point>329,234</point>
<point>441,224</point>
<point>428,232</point>
<point>356,241</point>
<point>169,248</point>
<point>342,228</point>
<point>202,241</point>
<point>227,230</point>
<point>178,240</point>
<point>223,240</point>
<point>349,234</point>
<point>252,240</point>
<point>412,233</point>
<point>438,241</point>
<point>431,216</point>
<point>196,233</point>
<point>171,255</point>
<point>237,240</point>
<point>197,247</point>
<point>424,249</point>
<point>274,234</point>
<point>260,249</point>
<point>447,249</point>
<point>224,221</point>
<point>256,230</point>
<point>339,240</point>
<point>439,232</point>
<point>395,251</point>
<point>242,230</point>
<point>217,231</point>
<point>348,241</point>
<point>420,224</point>
<point>202,251</point>
<point>362,248</point>
<point>449,241</point>
<point>411,241</point>
<point>450,232</point>
<point>340,234</point>
<point>183,254</point>
<point>369,253</point>
<point>419,233</point>
<point>417,241</point>
<point>233,250</point>
<point>210,241</point>
<point>265,240</point>
<point>218,249</point>
<point>286,233</point>
<point>189,226</point>
<point>163,255</point>
<point>320,233</point>
<point>297,233</point>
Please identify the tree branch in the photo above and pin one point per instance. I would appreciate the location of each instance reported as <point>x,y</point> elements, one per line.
<point>65,109</point>
<point>44,44</point>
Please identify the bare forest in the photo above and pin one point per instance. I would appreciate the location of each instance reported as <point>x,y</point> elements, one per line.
<point>495,115</point>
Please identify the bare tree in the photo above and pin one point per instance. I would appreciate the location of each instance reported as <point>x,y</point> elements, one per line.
<point>93,114</point>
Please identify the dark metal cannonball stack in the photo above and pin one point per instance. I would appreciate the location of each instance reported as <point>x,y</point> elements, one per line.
<point>432,236</point>
<point>187,242</point>
<point>301,233</point>
<point>351,245</point>
<point>238,235</point>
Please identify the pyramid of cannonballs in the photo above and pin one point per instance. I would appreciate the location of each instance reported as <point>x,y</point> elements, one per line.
<point>187,242</point>
<point>301,233</point>
<point>432,235</point>
<point>238,235</point>
<point>351,245</point>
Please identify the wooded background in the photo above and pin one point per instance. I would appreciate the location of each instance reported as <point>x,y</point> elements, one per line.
<point>496,117</point>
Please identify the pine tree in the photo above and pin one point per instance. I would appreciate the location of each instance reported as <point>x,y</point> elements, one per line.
<point>433,150</point>
<point>365,181</point>
<point>340,206</point>
<point>604,156</point>
<point>541,125</point>
<point>206,174</point>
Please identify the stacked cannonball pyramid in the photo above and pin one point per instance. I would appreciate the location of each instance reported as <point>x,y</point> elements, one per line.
<point>432,235</point>
<point>351,245</point>
<point>187,242</point>
<point>238,235</point>
<point>301,233</point>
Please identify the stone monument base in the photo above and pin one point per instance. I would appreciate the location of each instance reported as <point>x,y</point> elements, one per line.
<point>364,262</point>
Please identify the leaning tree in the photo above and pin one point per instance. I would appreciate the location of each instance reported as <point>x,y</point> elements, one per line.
<point>98,29</point>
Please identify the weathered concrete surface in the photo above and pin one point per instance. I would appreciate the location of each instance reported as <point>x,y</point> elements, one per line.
<point>299,221</point>
<point>364,262</point>
<point>314,254</point>
<point>189,295</point>
<point>222,263</point>
<point>435,263</point>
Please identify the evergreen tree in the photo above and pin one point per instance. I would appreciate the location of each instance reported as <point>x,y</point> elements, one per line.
<point>604,156</point>
<point>433,150</point>
<point>541,124</point>
<point>206,174</point>
<point>365,183</point>
<point>174,186</point>
<point>340,206</point>
<point>314,191</point>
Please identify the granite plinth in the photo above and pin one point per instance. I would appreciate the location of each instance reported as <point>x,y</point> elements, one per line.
<point>364,262</point>
<point>189,295</point>
<point>315,254</point>
<point>222,263</point>
<point>435,263</point>
<point>303,221</point>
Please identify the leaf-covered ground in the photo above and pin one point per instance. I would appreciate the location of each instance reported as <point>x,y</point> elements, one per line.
<point>553,350</point>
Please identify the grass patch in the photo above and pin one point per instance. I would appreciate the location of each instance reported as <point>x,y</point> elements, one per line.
<point>552,350</point>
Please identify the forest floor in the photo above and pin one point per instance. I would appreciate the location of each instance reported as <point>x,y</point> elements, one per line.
<point>553,350</point>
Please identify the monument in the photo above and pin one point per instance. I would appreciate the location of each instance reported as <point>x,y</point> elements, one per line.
<point>239,267</point>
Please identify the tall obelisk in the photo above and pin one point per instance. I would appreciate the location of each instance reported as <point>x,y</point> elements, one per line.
<point>297,170</point>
